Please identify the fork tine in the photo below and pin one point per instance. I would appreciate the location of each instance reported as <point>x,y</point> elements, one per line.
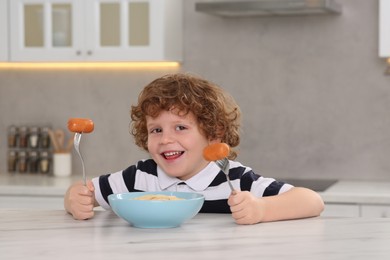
<point>224,165</point>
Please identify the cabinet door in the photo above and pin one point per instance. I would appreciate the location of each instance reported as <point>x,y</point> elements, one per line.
<point>377,211</point>
<point>3,30</point>
<point>134,30</point>
<point>46,30</point>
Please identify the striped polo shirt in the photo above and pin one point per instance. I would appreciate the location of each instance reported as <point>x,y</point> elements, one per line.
<point>211,182</point>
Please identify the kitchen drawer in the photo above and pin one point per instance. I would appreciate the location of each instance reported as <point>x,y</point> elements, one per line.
<point>341,210</point>
<point>381,211</point>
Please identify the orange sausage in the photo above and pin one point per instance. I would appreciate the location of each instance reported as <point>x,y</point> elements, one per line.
<point>216,151</point>
<point>80,125</point>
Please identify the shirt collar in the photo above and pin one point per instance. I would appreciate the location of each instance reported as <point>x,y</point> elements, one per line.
<point>199,182</point>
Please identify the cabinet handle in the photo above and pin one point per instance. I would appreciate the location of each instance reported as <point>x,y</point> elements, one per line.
<point>89,52</point>
<point>78,53</point>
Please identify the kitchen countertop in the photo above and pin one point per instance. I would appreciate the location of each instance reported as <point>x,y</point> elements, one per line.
<point>343,191</point>
<point>35,184</point>
<point>358,192</point>
<point>53,234</point>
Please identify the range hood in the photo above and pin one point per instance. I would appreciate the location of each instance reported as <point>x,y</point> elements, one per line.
<point>239,8</point>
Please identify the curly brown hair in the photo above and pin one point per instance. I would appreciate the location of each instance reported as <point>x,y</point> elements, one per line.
<point>217,113</point>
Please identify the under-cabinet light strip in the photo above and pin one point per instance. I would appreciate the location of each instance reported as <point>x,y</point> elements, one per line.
<point>88,65</point>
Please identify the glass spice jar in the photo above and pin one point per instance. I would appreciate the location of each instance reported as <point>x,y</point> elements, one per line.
<point>12,136</point>
<point>23,137</point>
<point>44,162</point>
<point>33,162</point>
<point>22,162</point>
<point>12,161</point>
<point>33,137</point>
<point>44,139</point>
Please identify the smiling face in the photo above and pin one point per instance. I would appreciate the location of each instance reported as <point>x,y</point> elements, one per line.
<point>176,143</point>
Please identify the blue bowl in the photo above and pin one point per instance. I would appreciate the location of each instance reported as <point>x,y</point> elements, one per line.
<point>156,213</point>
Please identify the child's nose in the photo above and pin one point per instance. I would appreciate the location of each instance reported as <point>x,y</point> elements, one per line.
<point>166,138</point>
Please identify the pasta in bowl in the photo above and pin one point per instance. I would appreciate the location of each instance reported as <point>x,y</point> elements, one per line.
<point>164,209</point>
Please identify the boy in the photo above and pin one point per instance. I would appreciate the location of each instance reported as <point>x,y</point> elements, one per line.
<point>176,117</point>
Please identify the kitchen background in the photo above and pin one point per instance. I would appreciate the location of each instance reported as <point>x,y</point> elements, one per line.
<point>312,89</point>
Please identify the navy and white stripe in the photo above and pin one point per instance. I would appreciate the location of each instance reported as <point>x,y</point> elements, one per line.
<point>211,182</point>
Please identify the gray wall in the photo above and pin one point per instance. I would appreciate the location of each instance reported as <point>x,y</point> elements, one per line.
<point>314,97</point>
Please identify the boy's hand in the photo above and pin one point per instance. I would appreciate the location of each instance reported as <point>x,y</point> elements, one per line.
<point>79,200</point>
<point>246,208</point>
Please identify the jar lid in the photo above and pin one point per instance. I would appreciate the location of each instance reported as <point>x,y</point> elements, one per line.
<point>22,153</point>
<point>34,129</point>
<point>33,153</point>
<point>23,129</point>
<point>12,129</point>
<point>44,154</point>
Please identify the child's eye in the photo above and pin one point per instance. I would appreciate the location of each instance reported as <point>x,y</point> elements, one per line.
<point>180,128</point>
<point>156,130</point>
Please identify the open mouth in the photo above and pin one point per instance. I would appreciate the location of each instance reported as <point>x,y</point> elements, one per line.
<point>172,155</point>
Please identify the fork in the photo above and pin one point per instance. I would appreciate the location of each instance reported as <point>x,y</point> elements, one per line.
<point>224,165</point>
<point>77,139</point>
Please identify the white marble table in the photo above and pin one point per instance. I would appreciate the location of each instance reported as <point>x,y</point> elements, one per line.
<point>53,234</point>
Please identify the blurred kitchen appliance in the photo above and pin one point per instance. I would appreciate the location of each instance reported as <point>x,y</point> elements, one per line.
<point>268,7</point>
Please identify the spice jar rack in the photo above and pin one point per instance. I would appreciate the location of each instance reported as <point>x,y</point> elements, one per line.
<point>29,149</point>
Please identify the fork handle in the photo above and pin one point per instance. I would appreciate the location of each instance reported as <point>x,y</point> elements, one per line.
<point>77,138</point>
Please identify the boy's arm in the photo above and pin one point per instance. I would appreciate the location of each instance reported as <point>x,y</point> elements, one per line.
<point>293,204</point>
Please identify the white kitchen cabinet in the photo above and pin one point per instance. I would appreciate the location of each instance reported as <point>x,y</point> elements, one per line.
<point>3,30</point>
<point>384,28</point>
<point>341,210</point>
<point>96,30</point>
<point>379,211</point>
